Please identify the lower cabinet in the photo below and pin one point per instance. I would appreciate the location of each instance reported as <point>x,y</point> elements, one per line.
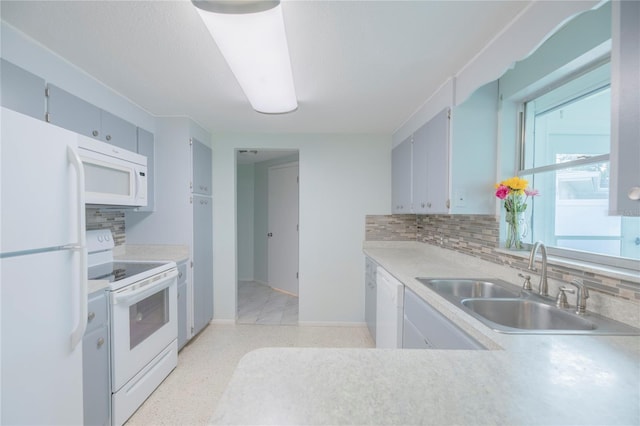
<point>426,328</point>
<point>182,304</point>
<point>202,262</point>
<point>370,296</point>
<point>95,362</point>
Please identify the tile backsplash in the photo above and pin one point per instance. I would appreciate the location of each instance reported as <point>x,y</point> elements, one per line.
<point>479,236</point>
<point>107,219</point>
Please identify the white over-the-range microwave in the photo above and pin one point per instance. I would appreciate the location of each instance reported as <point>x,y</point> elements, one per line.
<point>113,176</point>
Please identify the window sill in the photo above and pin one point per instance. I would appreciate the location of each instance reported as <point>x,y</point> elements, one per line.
<point>607,271</point>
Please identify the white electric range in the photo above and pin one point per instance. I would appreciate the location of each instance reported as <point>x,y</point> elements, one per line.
<point>143,322</point>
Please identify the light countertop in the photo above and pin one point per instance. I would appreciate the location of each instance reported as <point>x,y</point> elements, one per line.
<point>175,253</point>
<point>523,379</point>
<point>147,252</point>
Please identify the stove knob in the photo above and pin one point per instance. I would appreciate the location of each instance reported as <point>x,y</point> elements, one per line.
<point>107,237</point>
<point>100,238</point>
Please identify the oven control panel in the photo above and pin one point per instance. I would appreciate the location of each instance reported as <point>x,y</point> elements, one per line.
<point>99,240</point>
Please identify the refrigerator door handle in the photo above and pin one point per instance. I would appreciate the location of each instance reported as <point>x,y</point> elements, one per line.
<point>81,248</point>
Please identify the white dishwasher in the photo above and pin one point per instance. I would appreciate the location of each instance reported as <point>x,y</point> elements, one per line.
<point>389,310</point>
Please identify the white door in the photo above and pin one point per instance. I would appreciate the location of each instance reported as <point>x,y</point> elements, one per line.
<point>283,228</point>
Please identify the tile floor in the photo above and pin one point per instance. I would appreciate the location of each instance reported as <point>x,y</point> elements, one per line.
<point>260,304</point>
<point>189,395</point>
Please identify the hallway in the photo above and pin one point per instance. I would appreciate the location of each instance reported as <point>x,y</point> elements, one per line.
<point>260,304</point>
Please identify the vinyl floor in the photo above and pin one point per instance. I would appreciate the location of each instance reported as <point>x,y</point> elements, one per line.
<point>188,396</point>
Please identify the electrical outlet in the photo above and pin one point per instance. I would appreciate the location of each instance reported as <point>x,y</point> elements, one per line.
<point>460,198</point>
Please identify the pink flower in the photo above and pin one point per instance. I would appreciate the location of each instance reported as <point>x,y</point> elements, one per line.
<point>531,192</point>
<point>502,192</point>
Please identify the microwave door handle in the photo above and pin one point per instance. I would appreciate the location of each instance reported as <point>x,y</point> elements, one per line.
<point>138,182</point>
<point>81,248</point>
<point>130,297</point>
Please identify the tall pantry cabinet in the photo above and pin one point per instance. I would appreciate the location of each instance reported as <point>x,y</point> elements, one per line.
<point>202,248</point>
<point>183,212</point>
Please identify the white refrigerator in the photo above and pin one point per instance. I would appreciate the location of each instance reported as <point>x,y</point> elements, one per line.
<point>42,273</point>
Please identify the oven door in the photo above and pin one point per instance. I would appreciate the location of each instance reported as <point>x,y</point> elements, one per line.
<point>144,322</point>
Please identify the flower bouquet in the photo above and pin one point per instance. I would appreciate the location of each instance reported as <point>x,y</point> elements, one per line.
<point>514,192</point>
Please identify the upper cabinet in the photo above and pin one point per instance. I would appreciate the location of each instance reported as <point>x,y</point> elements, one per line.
<point>71,112</point>
<point>431,166</point>
<point>624,197</point>
<point>201,163</point>
<point>420,169</point>
<point>401,177</point>
<point>21,91</point>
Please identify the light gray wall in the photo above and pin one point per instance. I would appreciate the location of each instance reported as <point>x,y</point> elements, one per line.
<point>474,128</point>
<point>342,179</point>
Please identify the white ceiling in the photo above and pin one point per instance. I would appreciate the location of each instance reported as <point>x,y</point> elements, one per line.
<point>358,66</point>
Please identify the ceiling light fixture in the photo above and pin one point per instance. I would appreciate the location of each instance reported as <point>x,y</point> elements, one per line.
<point>251,36</point>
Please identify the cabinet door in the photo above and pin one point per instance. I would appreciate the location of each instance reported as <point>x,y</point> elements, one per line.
<point>182,314</point>
<point>71,112</point>
<point>95,377</point>
<point>118,132</point>
<point>201,161</point>
<point>421,140</point>
<point>625,98</point>
<point>146,147</point>
<point>438,164</point>
<point>21,91</point>
<point>436,330</point>
<point>202,262</point>
<point>412,338</point>
<point>370,296</point>
<point>401,177</point>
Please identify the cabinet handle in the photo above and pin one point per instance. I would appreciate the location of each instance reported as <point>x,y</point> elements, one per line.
<point>100,342</point>
<point>422,205</point>
<point>429,205</point>
<point>108,137</point>
<point>95,133</point>
<point>91,316</point>
<point>634,193</point>
<point>179,274</point>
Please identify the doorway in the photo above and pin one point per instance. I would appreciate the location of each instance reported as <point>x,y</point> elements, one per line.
<point>267,203</point>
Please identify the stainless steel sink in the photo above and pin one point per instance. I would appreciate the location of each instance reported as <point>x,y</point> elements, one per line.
<point>464,288</point>
<point>526,315</point>
<point>506,309</point>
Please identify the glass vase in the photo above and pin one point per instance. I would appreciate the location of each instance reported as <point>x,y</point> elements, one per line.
<point>516,229</point>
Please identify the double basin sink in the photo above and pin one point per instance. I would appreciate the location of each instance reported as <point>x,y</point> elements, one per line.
<point>504,308</point>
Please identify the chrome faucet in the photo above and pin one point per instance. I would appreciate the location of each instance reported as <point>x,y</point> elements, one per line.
<point>581,296</point>
<point>543,287</point>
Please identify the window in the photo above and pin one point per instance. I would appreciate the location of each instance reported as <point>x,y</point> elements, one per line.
<point>565,155</point>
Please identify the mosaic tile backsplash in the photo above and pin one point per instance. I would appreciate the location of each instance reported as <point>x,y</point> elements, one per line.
<point>107,219</point>
<point>479,236</point>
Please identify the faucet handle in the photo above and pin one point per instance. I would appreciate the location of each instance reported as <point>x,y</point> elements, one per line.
<point>561,299</point>
<point>526,285</point>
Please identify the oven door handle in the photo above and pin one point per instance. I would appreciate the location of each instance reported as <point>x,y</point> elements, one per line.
<point>145,288</point>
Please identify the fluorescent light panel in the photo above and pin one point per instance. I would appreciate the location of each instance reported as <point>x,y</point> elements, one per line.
<point>255,47</point>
